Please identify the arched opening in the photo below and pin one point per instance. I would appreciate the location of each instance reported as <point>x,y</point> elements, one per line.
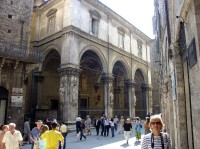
<point>46,87</point>
<point>51,83</point>
<point>140,93</point>
<point>120,90</point>
<point>90,85</point>
<point>3,104</point>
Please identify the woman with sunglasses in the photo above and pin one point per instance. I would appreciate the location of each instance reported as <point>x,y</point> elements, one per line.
<point>156,139</point>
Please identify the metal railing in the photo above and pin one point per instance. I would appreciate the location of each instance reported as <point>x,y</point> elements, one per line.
<point>20,53</point>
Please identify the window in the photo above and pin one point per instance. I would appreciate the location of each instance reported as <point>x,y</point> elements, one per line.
<point>51,25</point>
<point>94,26</point>
<point>121,33</point>
<point>139,45</point>
<point>95,16</point>
<point>10,16</point>
<point>121,41</point>
<point>51,14</point>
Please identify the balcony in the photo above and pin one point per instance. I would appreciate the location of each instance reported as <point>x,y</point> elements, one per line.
<point>20,53</point>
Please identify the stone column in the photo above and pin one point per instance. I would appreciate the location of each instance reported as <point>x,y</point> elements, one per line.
<point>108,95</point>
<point>36,91</point>
<point>150,101</point>
<point>132,99</point>
<point>69,84</point>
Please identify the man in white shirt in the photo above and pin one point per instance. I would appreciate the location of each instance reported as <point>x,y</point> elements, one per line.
<point>13,138</point>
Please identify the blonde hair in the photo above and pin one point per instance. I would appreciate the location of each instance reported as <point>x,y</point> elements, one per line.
<point>158,118</point>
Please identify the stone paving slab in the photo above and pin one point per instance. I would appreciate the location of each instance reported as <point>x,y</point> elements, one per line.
<point>99,142</point>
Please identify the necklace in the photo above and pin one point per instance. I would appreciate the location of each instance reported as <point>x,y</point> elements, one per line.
<point>152,141</point>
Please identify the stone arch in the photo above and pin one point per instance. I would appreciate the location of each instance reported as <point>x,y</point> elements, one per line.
<point>46,50</point>
<point>48,96</point>
<point>143,73</point>
<point>125,64</point>
<point>140,93</point>
<point>90,84</point>
<point>98,52</point>
<point>121,75</point>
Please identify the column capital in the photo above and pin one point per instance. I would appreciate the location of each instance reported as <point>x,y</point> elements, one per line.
<point>69,71</point>
<point>107,78</point>
<point>130,83</point>
<point>146,87</point>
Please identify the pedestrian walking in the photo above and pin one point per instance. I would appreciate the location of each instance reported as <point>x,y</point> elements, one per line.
<point>97,124</point>
<point>116,121</point>
<point>106,127</point>
<point>13,138</point>
<point>27,131</point>
<point>81,130</point>
<point>88,125</point>
<point>35,133</point>
<point>127,129</point>
<point>64,131</point>
<point>112,125</point>
<point>102,125</point>
<point>53,137</point>
<point>146,126</point>
<point>138,129</point>
<point>78,123</point>
<point>42,142</point>
<point>156,139</point>
<point>2,133</point>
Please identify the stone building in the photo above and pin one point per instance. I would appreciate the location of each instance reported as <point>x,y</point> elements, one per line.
<point>15,58</point>
<point>177,35</point>
<point>95,62</point>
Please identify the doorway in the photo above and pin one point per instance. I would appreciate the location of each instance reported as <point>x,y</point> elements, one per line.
<point>3,104</point>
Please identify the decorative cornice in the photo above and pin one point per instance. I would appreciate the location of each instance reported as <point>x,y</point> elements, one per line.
<point>97,4</point>
<point>69,71</point>
<point>74,30</point>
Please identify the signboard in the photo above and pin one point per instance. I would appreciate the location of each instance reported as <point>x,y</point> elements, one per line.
<point>173,85</point>
<point>17,101</point>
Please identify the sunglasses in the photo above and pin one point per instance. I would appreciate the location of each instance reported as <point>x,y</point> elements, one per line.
<point>157,123</point>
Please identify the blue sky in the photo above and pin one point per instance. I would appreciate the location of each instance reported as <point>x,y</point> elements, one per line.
<point>137,12</point>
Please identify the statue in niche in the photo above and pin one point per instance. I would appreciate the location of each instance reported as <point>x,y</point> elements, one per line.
<point>62,92</point>
<point>134,100</point>
<point>111,96</point>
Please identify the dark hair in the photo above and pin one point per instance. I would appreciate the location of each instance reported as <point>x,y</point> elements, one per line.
<point>54,125</point>
<point>111,119</point>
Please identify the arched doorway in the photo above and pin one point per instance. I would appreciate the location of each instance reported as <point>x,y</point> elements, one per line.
<point>3,104</point>
<point>90,85</point>
<point>140,93</point>
<point>120,90</point>
<point>51,83</point>
<point>47,87</point>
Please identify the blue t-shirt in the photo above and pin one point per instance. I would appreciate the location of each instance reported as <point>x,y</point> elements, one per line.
<point>35,133</point>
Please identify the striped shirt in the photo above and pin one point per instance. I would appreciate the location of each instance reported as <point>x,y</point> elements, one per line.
<point>147,141</point>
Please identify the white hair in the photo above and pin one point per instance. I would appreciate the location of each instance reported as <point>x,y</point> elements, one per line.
<point>12,124</point>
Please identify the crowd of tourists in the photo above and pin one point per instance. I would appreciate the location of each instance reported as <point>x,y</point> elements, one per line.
<point>51,135</point>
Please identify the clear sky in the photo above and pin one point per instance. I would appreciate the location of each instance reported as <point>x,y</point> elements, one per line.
<point>137,12</point>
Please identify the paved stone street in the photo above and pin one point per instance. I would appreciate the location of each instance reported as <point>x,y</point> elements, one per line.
<point>94,142</point>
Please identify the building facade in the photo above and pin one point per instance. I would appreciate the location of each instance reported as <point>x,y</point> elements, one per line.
<point>176,24</point>
<point>15,58</point>
<point>95,62</point>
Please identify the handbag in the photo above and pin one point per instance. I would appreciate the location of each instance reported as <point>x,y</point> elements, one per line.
<point>36,145</point>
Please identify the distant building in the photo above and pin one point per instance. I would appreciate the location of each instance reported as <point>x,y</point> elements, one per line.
<point>15,58</point>
<point>176,24</point>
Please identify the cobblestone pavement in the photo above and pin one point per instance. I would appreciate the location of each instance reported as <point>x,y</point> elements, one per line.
<point>99,142</point>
